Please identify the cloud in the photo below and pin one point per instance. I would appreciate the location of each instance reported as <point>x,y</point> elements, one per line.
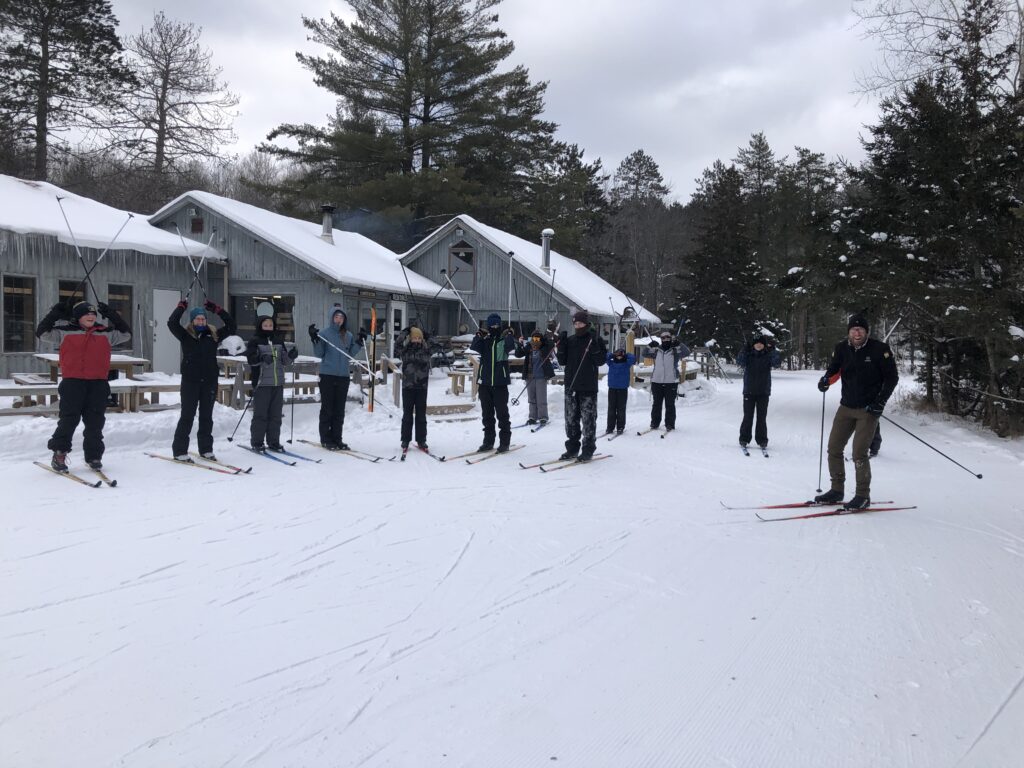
<point>687,82</point>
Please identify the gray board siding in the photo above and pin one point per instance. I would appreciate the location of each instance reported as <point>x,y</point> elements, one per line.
<point>492,284</point>
<point>257,267</point>
<point>49,260</point>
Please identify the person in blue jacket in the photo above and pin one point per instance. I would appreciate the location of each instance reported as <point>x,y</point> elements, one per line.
<point>757,360</point>
<point>335,346</point>
<point>619,363</point>
<point>494,346</point>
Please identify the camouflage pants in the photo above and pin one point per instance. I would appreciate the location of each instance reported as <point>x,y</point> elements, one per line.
<point>580,421</point>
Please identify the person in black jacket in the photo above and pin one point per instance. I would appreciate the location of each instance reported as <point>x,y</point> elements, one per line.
<point>537,370</point>
<point>494,346</point>
<point>581,355</point>
<point>869,377</point>
<point>199,374</point>
<point>412,349</point>
<point>757,360</point>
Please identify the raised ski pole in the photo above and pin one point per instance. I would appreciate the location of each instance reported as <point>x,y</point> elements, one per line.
<point>976,474</point>
<point>195,269</point>
<point>117,234</point>
<point>419,312</point>
<point>74,242</point>
<point>821,441</point>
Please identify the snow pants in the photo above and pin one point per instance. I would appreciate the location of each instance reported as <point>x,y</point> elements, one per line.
<point>581,422</point>
<point>82,400</point>
<point>414,410</point>
<point>755,404</point>
<point>667,394</point>
<point>267,410</point>
<point>861,425</point>
<point>333,394</point>
<point>494,403</point>
<point>195,395</point>
<point>537,392</point>
<point>617,409</point>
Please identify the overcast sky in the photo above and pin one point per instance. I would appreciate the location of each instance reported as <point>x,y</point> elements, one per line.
<point>686,82</point>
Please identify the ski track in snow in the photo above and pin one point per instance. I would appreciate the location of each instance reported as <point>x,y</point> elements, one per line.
<point>425,613</point>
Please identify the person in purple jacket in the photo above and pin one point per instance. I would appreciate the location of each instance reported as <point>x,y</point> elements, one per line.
<point>619,363</point>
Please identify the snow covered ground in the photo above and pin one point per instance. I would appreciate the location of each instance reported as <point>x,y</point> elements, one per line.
<point>427,614</point>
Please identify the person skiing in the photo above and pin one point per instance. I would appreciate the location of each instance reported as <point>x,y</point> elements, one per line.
<point>412,349</point>
<point>665,358</point>
<point>494,346</point>
<point>619,364</point>
<point>581,355</point>
<point>199,374</point>
<point>84,348</point>
<point>335,346</point>
<point>757,360</point>
<point>268,358</point>
<point>537,370</point>
<point>869,376</point>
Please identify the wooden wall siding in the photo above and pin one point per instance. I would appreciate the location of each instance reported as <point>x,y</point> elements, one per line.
<point>492,283</point>
<point>49,261</point>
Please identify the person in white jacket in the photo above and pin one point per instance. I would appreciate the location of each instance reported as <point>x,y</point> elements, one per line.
<point>665,377</point>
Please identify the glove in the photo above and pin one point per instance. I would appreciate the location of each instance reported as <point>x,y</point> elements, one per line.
<point>823,384</point>
<point>314,332</point>
<point>875,409</point>
<point>293,353</point>
<point>361,336</point>
<point>183,304</point>
<point>654,344</point>
<point>509,331</point>
<point>61,311</point>
<point>209,306</point>
<point>482,333</point>
<point>104,309</point>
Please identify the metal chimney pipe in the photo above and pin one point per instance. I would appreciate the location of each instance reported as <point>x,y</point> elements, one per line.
<point>545,243</point>
<point>327,235</point>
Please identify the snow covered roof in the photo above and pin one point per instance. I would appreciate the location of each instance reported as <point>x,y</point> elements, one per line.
<point>30,207</point>
<point>351,260</point>
<point>573,280</point>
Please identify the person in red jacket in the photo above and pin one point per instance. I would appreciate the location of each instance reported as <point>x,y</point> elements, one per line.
<point>85,349</point>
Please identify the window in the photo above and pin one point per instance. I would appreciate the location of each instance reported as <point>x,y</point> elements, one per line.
<point>245,310</point>
<point>120,299</point>
<point>19,314</point>
<point>462,267</point>
<point>70,292</point>
<point>196,225</point>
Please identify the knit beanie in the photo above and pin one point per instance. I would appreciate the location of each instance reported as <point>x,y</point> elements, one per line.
<point>415,334</point>
<point>493,320</point>
<point>581,316</point>
<point>858,321</point>
<point>83,308</point>
<point>196,312</point>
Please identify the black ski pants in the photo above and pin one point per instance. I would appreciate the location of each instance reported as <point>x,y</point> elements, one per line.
<point>267,410</point>
<point>82,400</point>
<point>494,403</point>
<point>664,393</point>
<point>617,409</point>
<point>755,404</point>
<point>201,395</point>
<point>333,394</point>
<point>414,407</point>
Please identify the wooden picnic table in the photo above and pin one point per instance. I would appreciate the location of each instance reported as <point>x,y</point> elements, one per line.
<point>125,363</point>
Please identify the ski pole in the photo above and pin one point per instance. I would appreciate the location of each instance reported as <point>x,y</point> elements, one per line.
<point>444,273</point>
<point>547,358</point>
<point>419,312</point>
<point>195,269</point>
<point>821,441</point>
<point>247,404</point>
<point>976,474</point>
<point>442,286</point>
<point>365,366</point>
<point>117,234</point>
<point>81,258</point>
<point>291,435</point>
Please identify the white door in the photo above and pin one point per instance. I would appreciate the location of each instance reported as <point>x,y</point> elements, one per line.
<point>398,322</point>
<point>166,350</point>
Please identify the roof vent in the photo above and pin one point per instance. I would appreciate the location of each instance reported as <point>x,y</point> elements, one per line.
<point>545,243</point>
<point>328,232</point>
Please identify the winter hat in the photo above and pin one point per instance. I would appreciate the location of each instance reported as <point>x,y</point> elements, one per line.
<point>493,320</point>
<point>620,352</point>
<point>196,312</point>
<point>259,323</point>
<point>415,334</point>
<point>552,325</point>
<point>83,308</point>
<point>759,338</point>
<point>858,321</point>
<point>581,316</point>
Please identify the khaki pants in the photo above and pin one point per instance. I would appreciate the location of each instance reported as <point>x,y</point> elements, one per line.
<point>862,425</point>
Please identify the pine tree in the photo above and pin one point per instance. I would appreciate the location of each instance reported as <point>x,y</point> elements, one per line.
<point>59,60</point>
